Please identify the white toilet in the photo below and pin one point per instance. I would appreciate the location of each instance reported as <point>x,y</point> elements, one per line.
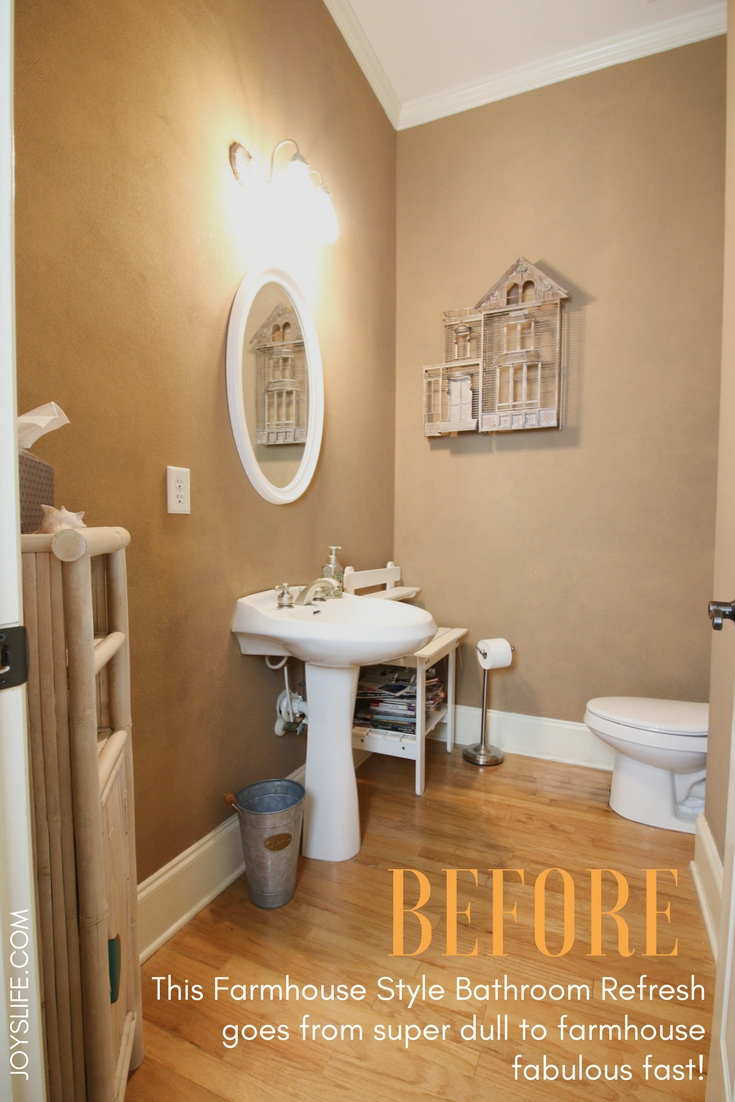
<point>660,757</point>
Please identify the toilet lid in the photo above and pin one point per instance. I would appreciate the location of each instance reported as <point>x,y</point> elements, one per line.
<point>671,717</point>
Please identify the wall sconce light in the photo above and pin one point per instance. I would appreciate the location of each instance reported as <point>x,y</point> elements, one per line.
<point>305,206</point>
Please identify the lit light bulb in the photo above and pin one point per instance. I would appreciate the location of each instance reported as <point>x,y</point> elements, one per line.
<point>292,192</point>
<point>285,207</point>
<point>326,226</point>
<point>296,177</point>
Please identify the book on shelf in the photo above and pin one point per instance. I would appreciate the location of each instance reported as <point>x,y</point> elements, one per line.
<point>386,698</point>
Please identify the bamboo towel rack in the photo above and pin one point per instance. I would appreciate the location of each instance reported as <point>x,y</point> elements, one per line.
<point>75,611</point>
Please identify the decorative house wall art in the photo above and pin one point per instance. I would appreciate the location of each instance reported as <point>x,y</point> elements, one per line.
<point>502,360</point>
<point>281,400</point>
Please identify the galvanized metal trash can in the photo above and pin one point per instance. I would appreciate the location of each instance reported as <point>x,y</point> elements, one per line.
<point>271,814</point>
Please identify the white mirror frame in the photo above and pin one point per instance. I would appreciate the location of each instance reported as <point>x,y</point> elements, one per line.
<point>248,289</point>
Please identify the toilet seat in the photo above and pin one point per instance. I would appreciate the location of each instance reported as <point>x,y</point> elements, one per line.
<point>667,724</point>
<point>671,717</point>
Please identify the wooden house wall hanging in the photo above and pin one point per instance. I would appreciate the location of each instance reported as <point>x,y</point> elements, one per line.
<point>502,360</point>
<point>281,399</point>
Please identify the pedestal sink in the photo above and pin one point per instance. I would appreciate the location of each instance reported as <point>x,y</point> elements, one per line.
<point>334,638</point>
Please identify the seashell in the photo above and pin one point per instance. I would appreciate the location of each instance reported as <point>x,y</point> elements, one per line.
<point>56,519</point>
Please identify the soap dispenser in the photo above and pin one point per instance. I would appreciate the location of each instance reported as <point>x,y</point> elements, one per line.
<point>333,569</point>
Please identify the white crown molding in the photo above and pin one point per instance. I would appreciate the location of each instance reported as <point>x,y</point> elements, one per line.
<point>355,37</point>
<point>668,35</point>
<point>685,29</point>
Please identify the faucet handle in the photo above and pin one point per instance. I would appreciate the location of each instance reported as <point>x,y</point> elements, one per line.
<point>285,596</point>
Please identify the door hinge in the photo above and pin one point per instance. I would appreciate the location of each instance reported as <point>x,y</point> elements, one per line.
<point>13,657</point>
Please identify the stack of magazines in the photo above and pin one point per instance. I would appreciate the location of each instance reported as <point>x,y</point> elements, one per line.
<point>386,699</point>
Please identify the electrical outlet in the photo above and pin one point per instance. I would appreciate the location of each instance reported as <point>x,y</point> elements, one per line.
<point>178,489</point>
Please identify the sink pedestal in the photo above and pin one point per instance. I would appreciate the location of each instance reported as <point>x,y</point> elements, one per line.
<point>333,638</point>
<point>331,814</point>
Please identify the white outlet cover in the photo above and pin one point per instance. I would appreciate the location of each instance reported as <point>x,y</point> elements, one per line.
<point>178,489</point>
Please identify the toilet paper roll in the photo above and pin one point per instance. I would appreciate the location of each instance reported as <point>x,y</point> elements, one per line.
<point>494,654</point>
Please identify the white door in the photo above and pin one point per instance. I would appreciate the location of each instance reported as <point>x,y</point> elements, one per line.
<point>721,1075</point>
<point>22,1074</point>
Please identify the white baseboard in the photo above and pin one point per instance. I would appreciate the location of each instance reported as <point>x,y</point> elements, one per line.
<point>707,874</point>
<point>532,736</point>
<point>173,895</point>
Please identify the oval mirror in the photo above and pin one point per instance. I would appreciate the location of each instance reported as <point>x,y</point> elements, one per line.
<point>275,390</point>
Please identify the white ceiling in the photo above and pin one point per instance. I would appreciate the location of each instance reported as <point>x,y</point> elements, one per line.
<point>429,58</point>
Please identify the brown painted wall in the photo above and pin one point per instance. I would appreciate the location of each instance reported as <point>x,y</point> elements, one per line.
<point>128,261</point>
<point>590,548</point>
<point>723,642</point>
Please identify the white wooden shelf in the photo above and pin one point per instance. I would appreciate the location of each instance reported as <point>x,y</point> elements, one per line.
<point>398,593</point>
<point>400,745</point>
<point>444,645</point>
<point>379,740</point>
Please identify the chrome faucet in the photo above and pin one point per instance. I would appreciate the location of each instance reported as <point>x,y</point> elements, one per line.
<point>308,594</point>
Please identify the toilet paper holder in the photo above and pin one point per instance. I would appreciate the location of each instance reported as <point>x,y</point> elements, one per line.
<point>492,654</point>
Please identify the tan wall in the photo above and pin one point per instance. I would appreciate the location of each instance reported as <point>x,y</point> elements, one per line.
<point>589,548</point>
<point>128,261</point>
<point>723,642</point>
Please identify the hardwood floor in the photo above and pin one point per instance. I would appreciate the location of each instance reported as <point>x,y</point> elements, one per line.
<point>526,814</point>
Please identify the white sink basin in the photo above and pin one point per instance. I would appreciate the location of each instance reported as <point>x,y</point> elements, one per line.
<point>334,638</point>
<point>351,631</point>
